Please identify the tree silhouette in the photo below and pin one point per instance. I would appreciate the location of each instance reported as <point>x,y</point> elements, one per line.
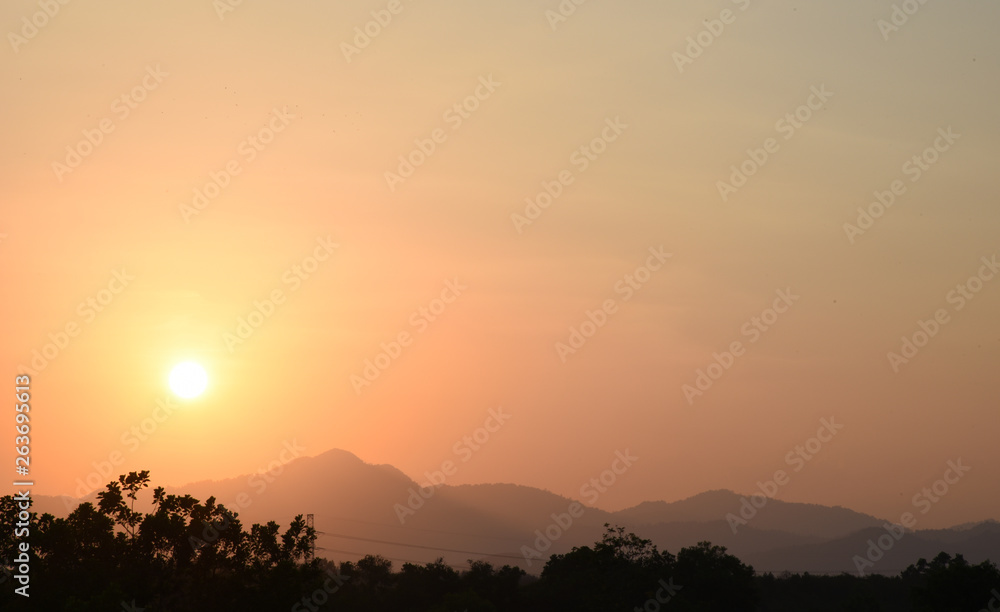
<point>113,504</point>
<point>618,573</point>
<point>951,584</point>
<point>188,555</point>
<point>713,580</point>
<point>625,572</point>
<point>184,555</point>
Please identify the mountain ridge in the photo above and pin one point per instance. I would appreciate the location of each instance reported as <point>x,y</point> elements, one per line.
<point>378,509</point>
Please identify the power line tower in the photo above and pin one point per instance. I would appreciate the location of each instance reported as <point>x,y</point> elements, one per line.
<point>312,543</point>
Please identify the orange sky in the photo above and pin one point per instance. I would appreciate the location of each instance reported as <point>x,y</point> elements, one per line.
<point>115,120</point>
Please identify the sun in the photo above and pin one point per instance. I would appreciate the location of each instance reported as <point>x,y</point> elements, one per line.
<point>188,379</point>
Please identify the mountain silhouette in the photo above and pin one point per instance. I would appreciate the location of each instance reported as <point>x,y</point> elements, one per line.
<point>363,508</point>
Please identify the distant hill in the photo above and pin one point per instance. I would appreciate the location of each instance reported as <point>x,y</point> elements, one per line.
<point>358,509</point>
<point>835,556</point>
<point>795,518</point>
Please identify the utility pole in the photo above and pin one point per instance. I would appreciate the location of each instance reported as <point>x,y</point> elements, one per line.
<point>312,543</point>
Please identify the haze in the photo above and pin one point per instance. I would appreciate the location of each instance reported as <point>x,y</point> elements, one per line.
<point>332,251</point>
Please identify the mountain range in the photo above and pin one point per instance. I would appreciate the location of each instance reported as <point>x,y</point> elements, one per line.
<point>361,508</point>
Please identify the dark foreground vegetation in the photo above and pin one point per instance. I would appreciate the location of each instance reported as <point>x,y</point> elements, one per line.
<point>188,556</point>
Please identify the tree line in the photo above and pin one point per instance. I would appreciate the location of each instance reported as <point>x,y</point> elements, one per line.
<point>187,555</point>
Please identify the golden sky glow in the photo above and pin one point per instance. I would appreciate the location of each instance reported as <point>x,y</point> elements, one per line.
<point>370,247</point>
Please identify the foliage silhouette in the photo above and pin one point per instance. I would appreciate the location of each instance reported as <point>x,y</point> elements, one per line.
<point>188,555</point>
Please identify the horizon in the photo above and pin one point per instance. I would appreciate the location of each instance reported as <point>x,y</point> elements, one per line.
<point>268,475</point>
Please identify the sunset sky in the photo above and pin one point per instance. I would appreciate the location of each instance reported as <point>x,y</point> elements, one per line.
<point>181,181</point>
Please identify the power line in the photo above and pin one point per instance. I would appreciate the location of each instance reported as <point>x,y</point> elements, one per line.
<point>466,552</point>
<point>471,535</point>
